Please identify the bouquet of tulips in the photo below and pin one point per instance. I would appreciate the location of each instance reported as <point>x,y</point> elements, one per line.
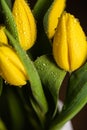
<point>39,48</point>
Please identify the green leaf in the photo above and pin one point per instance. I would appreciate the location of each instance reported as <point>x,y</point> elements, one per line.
<point>77,80</point>
<point>39,113</point>
<point>16,112</point>
<point>1,86</point>
<point>76,98</point>
<point>51,76</point>
<point>32,73</point>
<point>40,8</point>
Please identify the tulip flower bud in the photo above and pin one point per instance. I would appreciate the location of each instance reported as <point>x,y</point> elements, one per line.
<point>25,23</point>
<point>69,44</point>
<point>11,68</point>
<point>3,38</point>
<point>51,17</point>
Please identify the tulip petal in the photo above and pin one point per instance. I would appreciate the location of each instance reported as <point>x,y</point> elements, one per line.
<point>11,68</point>
<point>69,45</point>
<point>76,43</point>
<point>60,49</point>
<point>51,17</point>
<point>25,23</point>
<point>3,38</point>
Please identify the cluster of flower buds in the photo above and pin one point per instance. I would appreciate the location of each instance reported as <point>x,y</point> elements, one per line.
<point>69,39</point>
<point>11,67</point>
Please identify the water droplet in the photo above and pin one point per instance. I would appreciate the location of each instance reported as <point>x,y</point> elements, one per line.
<point>53,75</point>
<point>40,68</point>
<point>7,19</point>
<point>44,64</point>
<point>24,33</point>
<point>16,14</point>
<point>5,82</point>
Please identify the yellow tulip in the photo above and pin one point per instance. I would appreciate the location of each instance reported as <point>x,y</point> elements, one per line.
<point>11,68</point>
<point>69,44</point>
<point>25,23</point>
<point>3,37</point>
<point>51,17</point>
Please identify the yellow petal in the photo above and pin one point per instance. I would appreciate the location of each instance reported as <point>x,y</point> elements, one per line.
<point>60,49</point>
<point>51,17</point>
<point>25,23</point>
<point>76,43</point>
<point>3,37</point>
